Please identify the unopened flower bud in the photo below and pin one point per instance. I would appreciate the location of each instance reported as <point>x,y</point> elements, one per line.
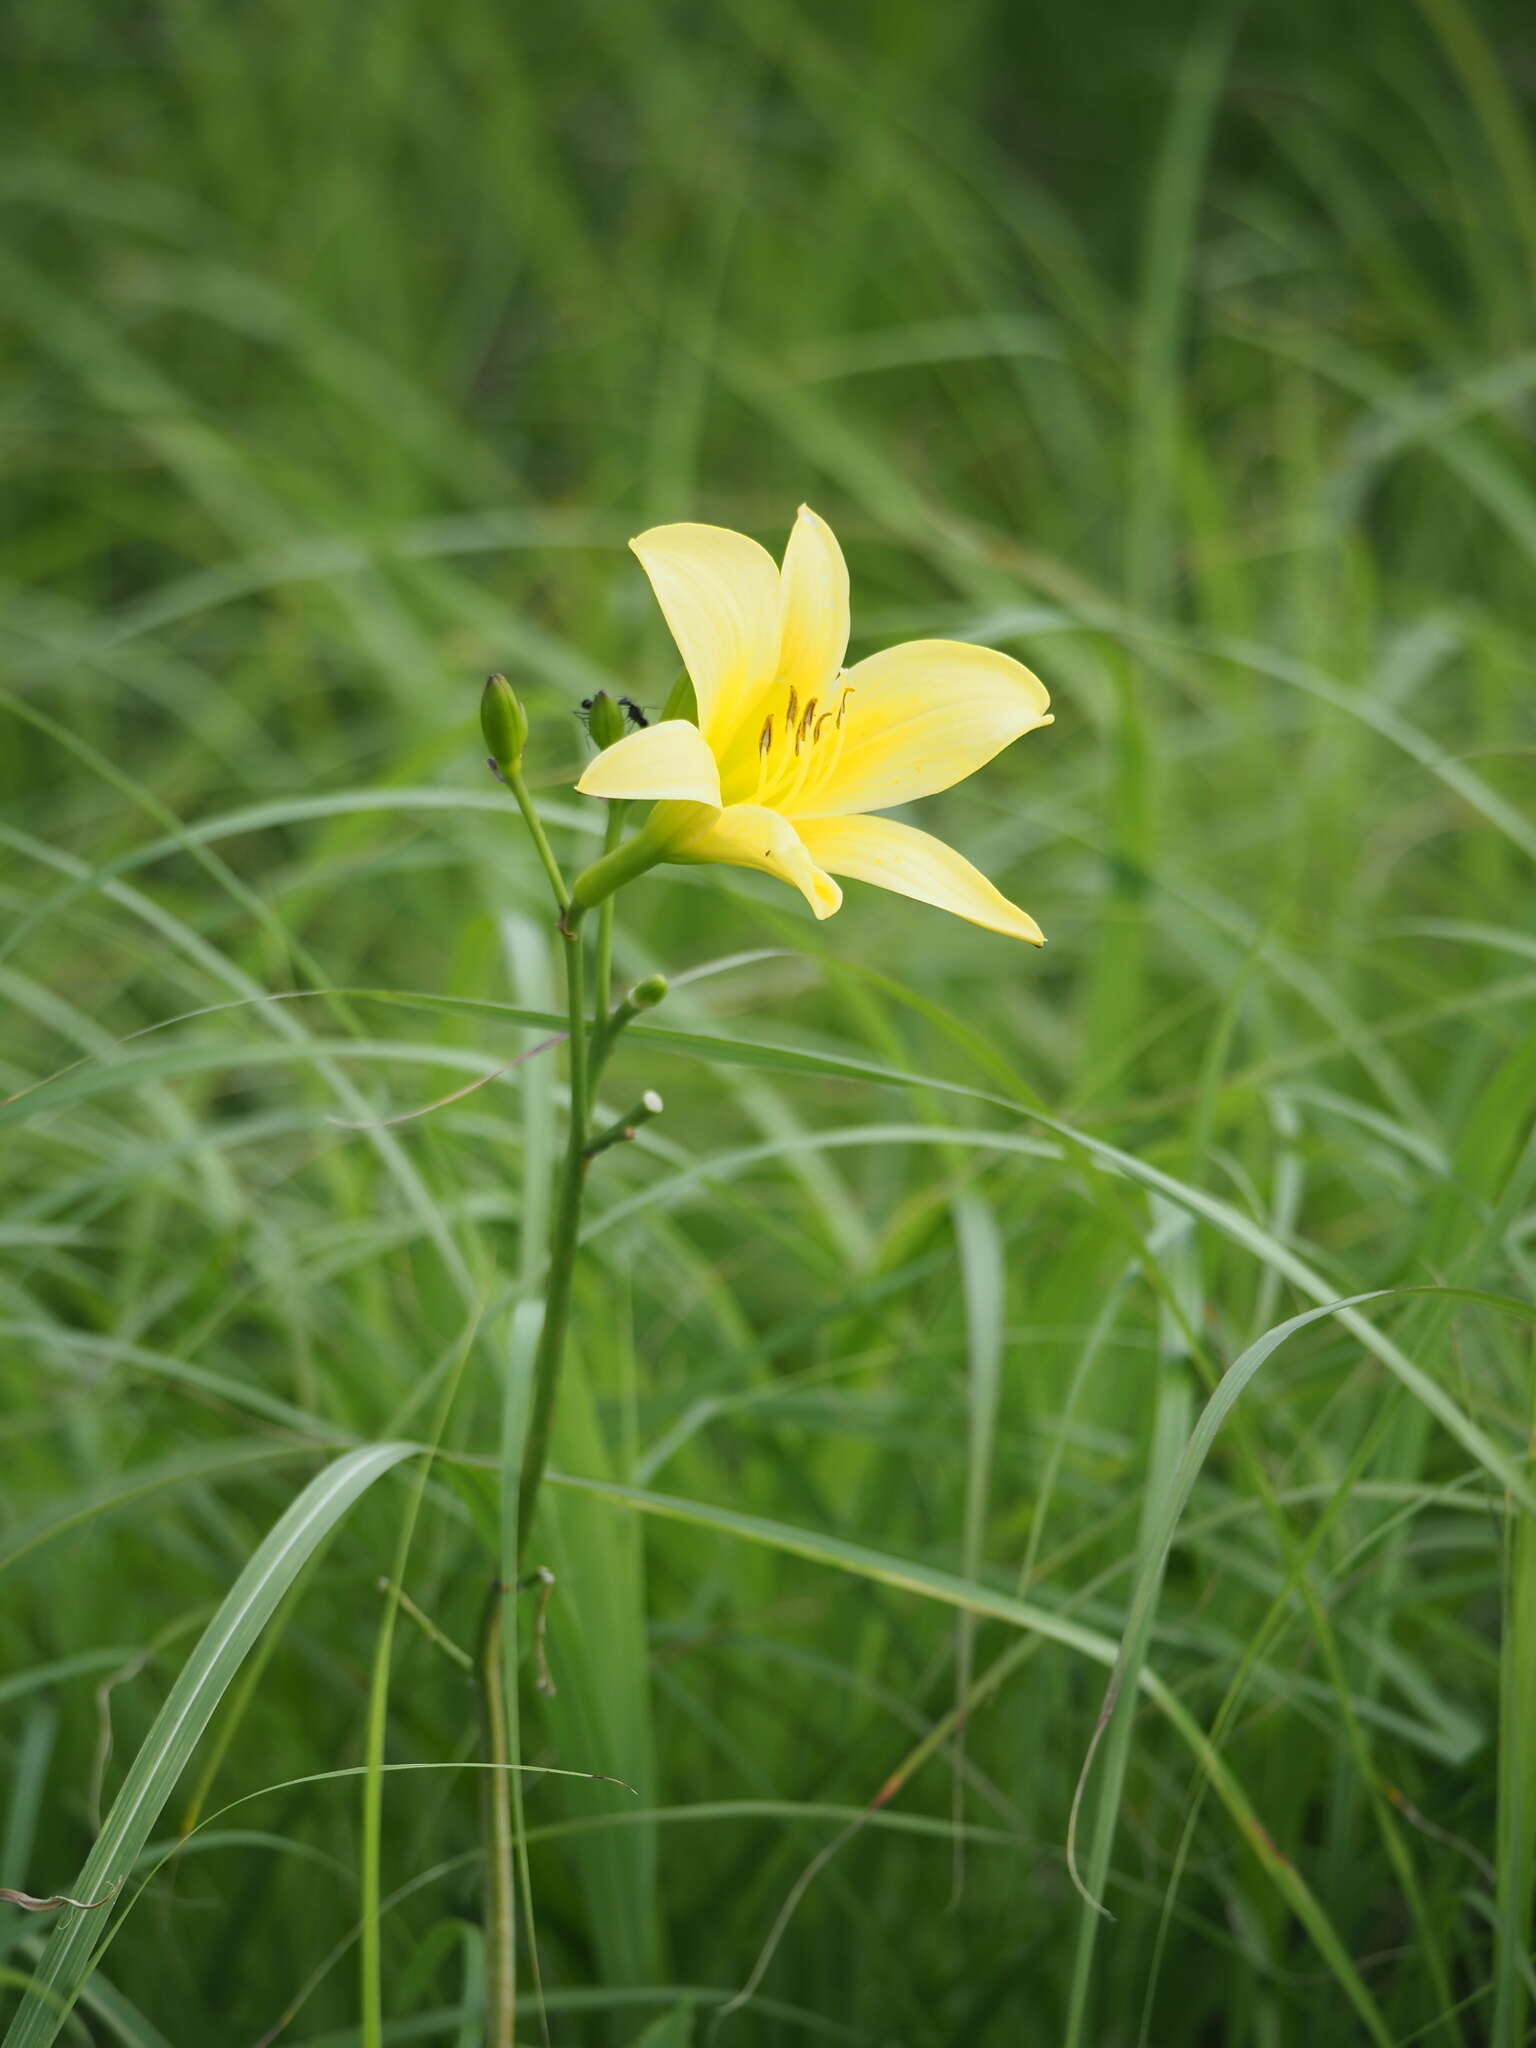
<point>504,723</point>
<point>649,1105</point>
<point>605,719</point>
<point>646,994</point>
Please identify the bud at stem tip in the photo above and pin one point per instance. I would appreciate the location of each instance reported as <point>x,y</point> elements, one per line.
<point>504,723</point>
<point>605,719</point>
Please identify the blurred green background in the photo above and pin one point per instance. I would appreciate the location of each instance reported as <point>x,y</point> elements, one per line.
<point>1186,352</point>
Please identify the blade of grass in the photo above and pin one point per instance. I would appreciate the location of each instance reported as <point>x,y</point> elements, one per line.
<point>151,1778</point>
<point>984,1290</point>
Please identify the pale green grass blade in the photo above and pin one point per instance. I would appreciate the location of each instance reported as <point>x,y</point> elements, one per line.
<point>66,1961</point>
<point>984,1291</point>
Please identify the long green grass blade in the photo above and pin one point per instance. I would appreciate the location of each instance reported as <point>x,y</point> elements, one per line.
<point>66,1961</point>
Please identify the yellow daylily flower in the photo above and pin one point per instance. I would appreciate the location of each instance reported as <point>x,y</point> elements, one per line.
<point>792,751</point>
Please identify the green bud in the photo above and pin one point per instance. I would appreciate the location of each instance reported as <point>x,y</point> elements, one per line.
<point>681,700</point>
<point>504,723</point>
<point>605,719</point>
<point>645,995</point>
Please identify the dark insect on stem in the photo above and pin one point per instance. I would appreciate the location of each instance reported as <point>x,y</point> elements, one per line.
<point>633,714</point>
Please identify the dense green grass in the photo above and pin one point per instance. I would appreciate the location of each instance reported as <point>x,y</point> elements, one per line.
<point>1192,359</point>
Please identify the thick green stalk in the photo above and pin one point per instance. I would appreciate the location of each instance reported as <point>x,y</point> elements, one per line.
<point>562,1249</point>
<point>653,843</point>
<point>602,991</point>
<point>500,1924</point>
<point>497,1672</point>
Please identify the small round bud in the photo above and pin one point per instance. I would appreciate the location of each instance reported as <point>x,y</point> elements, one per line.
<point>645,995</point>
<point>652,1103</point>
<point>504,723</point>
<point>605,719</point>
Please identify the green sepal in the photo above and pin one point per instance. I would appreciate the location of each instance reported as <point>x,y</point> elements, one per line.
<point>681,700</point>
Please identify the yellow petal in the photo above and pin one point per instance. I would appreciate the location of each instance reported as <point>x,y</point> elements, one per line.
<point>667,760</point>
<point>813,638</point>
<point>914,720</point>
<point>913,863</point>
<point>815,628</point>
<point>719,592</point>
<point>751,836</point>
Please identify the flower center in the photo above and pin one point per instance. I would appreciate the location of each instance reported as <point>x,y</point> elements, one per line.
<point>798,747</point>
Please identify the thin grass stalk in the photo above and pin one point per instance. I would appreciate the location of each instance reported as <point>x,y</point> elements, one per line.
<point>562,1250</point>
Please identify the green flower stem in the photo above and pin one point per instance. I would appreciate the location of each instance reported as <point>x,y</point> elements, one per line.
<point>513,778</point>
<point>597,883</point>
<point>649,1105</point>
<point>562,1247</point>
<point>496,1666</point>
<point>602,993</point>
<point>500,1925</point>
<point>645,995</point>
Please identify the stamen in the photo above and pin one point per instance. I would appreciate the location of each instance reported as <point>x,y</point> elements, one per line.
<point>791,714</point>
<point>803,729</point>
<point>821,764</point>
<point>765,739</point>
